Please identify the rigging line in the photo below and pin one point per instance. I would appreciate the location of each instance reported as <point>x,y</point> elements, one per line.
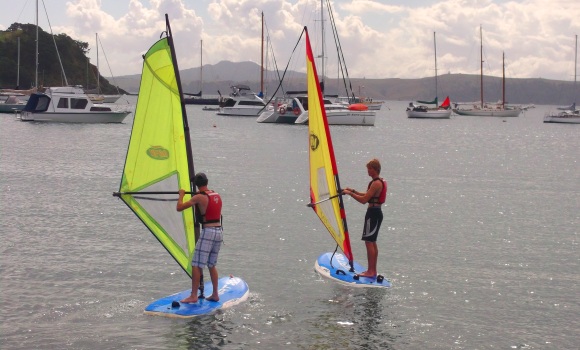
<point>285,70</point>
<point>56,47</point>
<point>335,250</point>
<point>342,61</point>
<point>274,57</point>
<point>108,65</point>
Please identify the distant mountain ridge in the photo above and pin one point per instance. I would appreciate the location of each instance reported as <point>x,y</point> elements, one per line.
<point>460,87</point>
<point>219,77</point>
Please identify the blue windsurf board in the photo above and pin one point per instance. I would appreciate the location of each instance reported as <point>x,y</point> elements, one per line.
<point>338,271</point>
<point>232,291</point>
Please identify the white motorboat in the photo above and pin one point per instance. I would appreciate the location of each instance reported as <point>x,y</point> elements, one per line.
<point>68,104</point>
<point>296,111</point>
<point>242,102</point>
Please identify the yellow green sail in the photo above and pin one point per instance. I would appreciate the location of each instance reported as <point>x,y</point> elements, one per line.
<point>157,163</point>
<point>324,182</point>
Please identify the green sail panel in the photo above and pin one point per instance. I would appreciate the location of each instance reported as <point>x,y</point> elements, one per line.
<point>156,166</point>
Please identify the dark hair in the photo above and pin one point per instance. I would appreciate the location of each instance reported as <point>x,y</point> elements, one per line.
<point>200,180</point>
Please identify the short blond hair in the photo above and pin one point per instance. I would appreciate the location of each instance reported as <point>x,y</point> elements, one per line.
<point>374,164</point>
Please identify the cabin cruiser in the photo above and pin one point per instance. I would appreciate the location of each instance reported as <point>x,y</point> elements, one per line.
<point>68,104</point>
<point>242,102</point>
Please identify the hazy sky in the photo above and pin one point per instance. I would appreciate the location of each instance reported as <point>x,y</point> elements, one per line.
<point>380,38</point>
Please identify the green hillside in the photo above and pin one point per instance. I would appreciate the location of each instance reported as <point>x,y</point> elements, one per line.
<point>72,53</point>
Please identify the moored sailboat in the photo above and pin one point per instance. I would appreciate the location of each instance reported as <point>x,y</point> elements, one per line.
<point>569,114</point>
<point>158,164</point>
<point>488,109</point>
<point>325,192</point>
<point>439,112</point>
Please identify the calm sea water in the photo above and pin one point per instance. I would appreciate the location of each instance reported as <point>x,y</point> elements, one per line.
<point>480,238</point>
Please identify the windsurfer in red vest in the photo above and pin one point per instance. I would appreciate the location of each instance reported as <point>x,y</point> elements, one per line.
<point>209,205</point>
<point>375,196</point>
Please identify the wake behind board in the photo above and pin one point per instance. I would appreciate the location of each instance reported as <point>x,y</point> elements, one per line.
<point>232,291</point>
<point>339,272</point>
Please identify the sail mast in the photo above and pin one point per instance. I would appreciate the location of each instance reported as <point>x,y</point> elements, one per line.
<point>184,113</point>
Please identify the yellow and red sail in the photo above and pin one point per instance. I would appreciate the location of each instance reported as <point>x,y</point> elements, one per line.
<point>324,182</point>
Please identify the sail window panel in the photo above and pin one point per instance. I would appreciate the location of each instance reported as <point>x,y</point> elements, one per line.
<point>161,208</point>
<point>327,207</point>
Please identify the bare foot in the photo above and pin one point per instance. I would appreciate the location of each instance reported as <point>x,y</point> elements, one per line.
<point>368,274</point>
<point>191,299</point>
<point>213,298</point>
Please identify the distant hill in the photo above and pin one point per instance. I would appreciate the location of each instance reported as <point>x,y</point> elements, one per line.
<point>72,53</point>
<point>460,87</point>
<point>220,76</point>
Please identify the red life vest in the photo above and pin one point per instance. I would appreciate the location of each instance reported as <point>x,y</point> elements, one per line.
<point>383,196</point>
<point>213,212</point>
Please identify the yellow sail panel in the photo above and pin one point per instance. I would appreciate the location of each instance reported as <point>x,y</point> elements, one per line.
<point>156,166</point>
<point>324,185</point>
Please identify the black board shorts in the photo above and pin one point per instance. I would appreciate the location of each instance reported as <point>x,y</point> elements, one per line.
<point>373,220</point>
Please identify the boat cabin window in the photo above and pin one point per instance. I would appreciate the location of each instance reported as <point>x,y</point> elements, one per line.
<point>62,103</point>
<point>42,104</point>
<point>251,103</point>
<point>78,103</point>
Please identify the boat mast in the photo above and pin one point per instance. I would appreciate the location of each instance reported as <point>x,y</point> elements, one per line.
<point>481,65</point>
<point>435,47</point>
<point>262,59</point>
<point>36,53</point>
<point>201,67</point>
<point>575,65</point>
<point>503,80</point>
<point>18,69</point>
<point>98,70</point>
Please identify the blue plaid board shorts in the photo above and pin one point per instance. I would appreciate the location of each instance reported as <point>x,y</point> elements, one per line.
<point>207,247</point>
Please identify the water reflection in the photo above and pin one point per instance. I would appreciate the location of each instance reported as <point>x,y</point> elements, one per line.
<point>358,318</point>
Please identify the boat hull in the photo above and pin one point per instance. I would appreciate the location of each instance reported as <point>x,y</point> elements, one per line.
<point>488,112</point>
<point>92,117</point>
<point>275,117</point>
<point>240,111</point>
<point>430,114</point>
<point>11,108</point>
<point>202,101</point>
<point>563,120</point>
<point>344,117</point>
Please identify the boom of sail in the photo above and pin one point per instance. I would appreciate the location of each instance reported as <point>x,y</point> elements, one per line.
<point>325,196</point>
<point>158,161</point>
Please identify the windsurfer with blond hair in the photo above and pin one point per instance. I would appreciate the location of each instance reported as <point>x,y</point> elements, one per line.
<point>375,196</point>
